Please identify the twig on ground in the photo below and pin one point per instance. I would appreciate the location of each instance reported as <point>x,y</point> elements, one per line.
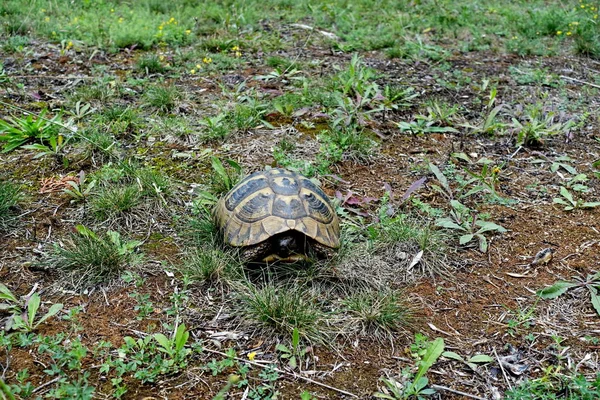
<point>502,368</point>
<point>580,81</point>
<point>43,385</point>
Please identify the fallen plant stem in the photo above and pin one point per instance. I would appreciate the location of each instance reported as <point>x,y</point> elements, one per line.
<point>580,81</point>
<point>43,385</point>
<point>282,372</point>
<point>502,368</point>
<point>447,389</point>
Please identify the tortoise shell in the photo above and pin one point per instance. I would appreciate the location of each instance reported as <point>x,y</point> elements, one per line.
<point>274,201</point>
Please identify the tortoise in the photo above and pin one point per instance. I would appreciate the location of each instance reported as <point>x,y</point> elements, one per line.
<point>278,215</point>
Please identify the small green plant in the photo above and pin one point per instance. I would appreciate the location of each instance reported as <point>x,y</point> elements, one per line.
<point>82,110</point>
<point>174,347</point>
<point>538,122</point>
<point>570,203</point>
<point>555,385</point>
<point>339,144</point>
<point>143,306</point>
<point>283,309</point>
<point>489,124</point>
<point>224,178</point>
<point>378,312</point>
<point>210,264</point>
<point>417,386</point>
<point>562,162</point>
<point>295,354</point>
<point>163,98</point>
<point>216,127</point>
<point>89,258</point>
<point>10,195</point>
<point>486,180</point>
<point>444,187</point>
<point>591,282</point>
<point>396,97</point>
<point>16,131</point>
<point>471,362</point>
<point>25,321</point>
<point>80,190</point>
<point>355,79</point>
<point>424,124</point>
<point>470,223</point>
<point>114,201</point>
<point>150,64</point>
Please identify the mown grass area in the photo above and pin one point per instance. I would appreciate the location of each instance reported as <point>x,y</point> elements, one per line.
<point>455,139</point>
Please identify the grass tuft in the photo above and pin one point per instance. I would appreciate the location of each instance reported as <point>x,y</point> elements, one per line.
<point>163,98</point>
<point>10,194</point>
<point>283,308</point>
<point>212,265</point>
<point>89,259</point>
<point>113,201</point>
<point>378,313</point>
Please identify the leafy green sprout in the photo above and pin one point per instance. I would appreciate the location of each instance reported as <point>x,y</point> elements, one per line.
<point>225,176</point>
<point>17,131</point>
<point>27,321</point>
<point>416,388</point>
<point>571,203</point>
<point>463,220</point>
<point>293,355</point>
<point>79,190</point>
<point>591,282</point>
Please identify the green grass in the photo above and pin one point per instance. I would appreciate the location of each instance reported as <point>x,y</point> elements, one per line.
<point>114,201</point>
<point>211,264</point>
<point>407,30</point>
<point>10,195</point>
<point>557,386</point>
<point>89,259</point>
<point>282,309</point>
<point>378,313</point>
<point>163,98</point>
<point>150,64</point>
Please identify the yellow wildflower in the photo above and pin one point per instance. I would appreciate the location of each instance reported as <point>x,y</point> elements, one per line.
<point>199,66</point>
<point>188,31</point>
<point>160,27</point>
<point>47,19</point>
<point>207,60</point>
<point>251,356</point>
<point>161,57</point>
<point>192,71</point>
<point>69,45</point>
<point>235,48</point>
<point>120,19</point>
<point>496,170</point>
<point>559,32</point>
<point>569,33</point>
